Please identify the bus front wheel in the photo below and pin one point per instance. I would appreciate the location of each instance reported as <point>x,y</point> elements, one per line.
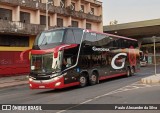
<point>83,80</point>
<point>93,79</point>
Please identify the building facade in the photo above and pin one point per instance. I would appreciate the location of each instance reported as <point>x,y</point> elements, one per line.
<point>22,20</point>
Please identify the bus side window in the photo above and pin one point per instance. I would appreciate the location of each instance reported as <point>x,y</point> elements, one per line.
<point>91,39</point>
<point>70,39</point>
<point>68,61</point>
<point>78,35</point>
<point>101,39</point>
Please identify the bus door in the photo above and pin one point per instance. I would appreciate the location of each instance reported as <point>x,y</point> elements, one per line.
<point>68,65</point>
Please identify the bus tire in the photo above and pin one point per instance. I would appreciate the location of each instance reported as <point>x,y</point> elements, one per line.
<point>128,71</point>
<point>93,79</point>
<point>82,80</point>
<point>132,70</point>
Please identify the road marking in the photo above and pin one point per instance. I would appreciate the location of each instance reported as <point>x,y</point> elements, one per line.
<point>130,87</point>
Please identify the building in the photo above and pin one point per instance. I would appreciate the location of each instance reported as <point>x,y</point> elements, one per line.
<point>143,31</point>
<point>22,20</point>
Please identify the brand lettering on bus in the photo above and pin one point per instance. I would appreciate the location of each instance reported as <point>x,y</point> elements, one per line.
<point>100,49</point>
<point>114,59</point>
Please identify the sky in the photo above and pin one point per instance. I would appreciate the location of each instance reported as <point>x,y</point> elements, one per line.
<point>125,11</point>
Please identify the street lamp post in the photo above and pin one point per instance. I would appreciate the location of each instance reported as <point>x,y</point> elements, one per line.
<point>155,70</point>
<point>46,14</point>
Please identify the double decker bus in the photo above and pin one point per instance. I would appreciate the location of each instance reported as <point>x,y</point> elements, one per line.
<point>65,57</point>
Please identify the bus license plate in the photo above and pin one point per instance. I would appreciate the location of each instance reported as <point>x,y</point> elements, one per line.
<point>41,86</point>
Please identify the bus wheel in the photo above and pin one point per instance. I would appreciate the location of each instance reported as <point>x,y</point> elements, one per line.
<point>128,72</point>
<point>132,71</point>
<point>83,81</point>
<point>93,79</point>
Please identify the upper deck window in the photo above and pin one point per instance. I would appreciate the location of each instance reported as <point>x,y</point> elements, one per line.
<point>73,36</point>
<point>50,37</point>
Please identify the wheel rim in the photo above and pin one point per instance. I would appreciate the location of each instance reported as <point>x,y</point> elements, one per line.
<point>93,78</point>
<point>128,72</point>
<point>132,70</point>
<point>83,80</point>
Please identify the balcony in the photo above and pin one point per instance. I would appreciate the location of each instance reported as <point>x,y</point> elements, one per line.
<point>96,2</point>
<point>20,28</point>
<point>30,4</point>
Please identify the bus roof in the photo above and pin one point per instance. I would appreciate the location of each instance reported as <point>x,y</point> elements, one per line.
<point>94,32</point>
<point>112,35</point>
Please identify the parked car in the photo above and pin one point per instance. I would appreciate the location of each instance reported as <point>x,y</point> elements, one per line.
<point>143,60</point>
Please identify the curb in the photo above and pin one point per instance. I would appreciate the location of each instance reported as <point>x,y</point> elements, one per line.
<point>154,79</point>
<point>12,84</point>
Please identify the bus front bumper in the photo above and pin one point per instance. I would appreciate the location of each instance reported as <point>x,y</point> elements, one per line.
<point>54,83</point>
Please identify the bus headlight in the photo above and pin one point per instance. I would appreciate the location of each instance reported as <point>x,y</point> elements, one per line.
<point>58,83</point>
<point>30,85</point>
<point>30,79</point>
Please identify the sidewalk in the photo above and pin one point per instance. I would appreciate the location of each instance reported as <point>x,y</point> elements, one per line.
<point>13,81</point>
<point>153,79</point>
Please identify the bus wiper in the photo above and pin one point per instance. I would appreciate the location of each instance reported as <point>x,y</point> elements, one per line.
<point>43,41</point>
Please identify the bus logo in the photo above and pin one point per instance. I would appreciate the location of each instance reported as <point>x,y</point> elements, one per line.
<point>114,66</point>
<point>100,49</point>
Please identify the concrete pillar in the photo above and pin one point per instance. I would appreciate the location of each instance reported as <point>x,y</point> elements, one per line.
<point>69,21</point>
<point>99,12</point>
<point>88,7</point>
<point>57,2</point>
<point>68,3</point>
<point>53,20</point>
<point>16,14</point>
<point>37,17</point>
<point>43,1</point>
<point>78,5</point>
<point>100,27</point>
<point>140,42</point>
<point>83,24</point>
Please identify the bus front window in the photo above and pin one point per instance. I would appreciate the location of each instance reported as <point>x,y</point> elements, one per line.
<point>50,37</point>
<point>44,63</point>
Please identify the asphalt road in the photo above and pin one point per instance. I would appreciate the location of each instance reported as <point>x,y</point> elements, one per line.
<point>122,90</point>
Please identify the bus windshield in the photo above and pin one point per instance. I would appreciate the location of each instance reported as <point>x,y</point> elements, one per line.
<point>44,63</point>
<point>50,37</point>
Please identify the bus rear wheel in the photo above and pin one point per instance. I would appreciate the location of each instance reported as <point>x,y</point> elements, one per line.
<point>83,80</point>
<point>128,72</point>
<point>132,71</point>
<point>93,79</point>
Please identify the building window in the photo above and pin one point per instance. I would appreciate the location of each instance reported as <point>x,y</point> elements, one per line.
<point>88,26</point>
<point>59,22</point>
<point>82,8</point>
<point>51,2</point>
<point>70,37</point>
<point>14,41</point>
<point>25,17</point>
<point>74,24</point>
<point>5,14</point>
<point>43,20</point>
<point>92,11</point>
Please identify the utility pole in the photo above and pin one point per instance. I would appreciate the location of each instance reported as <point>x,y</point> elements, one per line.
<point>46,15</point>
<point>155,70</point>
